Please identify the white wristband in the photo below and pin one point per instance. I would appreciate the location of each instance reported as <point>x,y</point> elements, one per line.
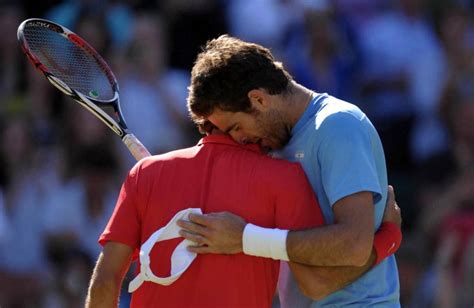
<point>265,242</point>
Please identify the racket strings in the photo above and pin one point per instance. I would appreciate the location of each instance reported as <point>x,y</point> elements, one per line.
<point>75,66</point>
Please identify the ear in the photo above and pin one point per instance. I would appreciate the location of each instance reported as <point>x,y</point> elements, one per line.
<point>259,99</point>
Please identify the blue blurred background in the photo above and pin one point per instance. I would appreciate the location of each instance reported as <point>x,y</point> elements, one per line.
<point>408,64</point>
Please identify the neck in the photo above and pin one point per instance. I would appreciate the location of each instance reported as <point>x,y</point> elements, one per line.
<point>298,98</point>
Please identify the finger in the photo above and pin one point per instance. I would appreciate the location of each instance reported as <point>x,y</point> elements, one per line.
<point>391,191</point>
<point>200,249</point>
<point>193,227</point>
<point>219,214</point>
<point>196,238</point>
<point>391,195</point>
<point>204,220</point>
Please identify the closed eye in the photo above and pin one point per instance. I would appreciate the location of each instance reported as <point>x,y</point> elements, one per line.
<point>234,127</point>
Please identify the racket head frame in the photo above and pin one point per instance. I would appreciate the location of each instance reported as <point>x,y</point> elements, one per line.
<point>94,105</point>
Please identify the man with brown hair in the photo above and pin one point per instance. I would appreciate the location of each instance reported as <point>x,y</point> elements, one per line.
<point>241,89</point>
<point>217,174</point>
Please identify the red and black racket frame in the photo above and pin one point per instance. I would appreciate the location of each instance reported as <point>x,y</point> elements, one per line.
<point>85,100</point>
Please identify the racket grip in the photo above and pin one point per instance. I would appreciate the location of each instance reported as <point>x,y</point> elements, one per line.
<point>137,149</point>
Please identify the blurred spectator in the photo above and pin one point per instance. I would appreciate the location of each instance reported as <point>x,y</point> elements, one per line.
<point>457,109</point>
<point>448,220</point>
<point>266,22</point>
<point>78,208</point>
<point>72,270</point>
<point>189,25</point>
<point>403,74</point>
<point>448,281</point>
<point>413,261</point>
<point>457,197</point>
<point>153,95</point>
<point>76,214</point>
<point>40,102</point>
<point>10,75</point>
<point>93,28</point>
<point>358,12</point>
<point>22,247</point>
<point>3,218</point>
<point>117,16</point>
<point>321,60</point>
<point>466,285</point>
<point>401,77</point>
<point>409,64</point>
<point>457,30</point>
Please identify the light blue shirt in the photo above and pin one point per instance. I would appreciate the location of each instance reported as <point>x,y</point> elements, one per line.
<point>341,154</point>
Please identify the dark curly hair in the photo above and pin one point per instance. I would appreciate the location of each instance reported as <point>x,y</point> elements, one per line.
<point>226,70</point>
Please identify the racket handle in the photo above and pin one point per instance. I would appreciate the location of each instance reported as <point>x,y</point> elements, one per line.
<point>137,149</point>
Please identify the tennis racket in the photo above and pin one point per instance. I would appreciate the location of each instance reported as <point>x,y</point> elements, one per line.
<point>74,67</point>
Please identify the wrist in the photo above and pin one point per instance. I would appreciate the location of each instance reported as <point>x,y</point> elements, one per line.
<point>387,240</point>
<point>265,242</point>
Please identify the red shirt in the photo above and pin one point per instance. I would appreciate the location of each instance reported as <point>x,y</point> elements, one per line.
<point>459,225</point>
<point>216,175</point>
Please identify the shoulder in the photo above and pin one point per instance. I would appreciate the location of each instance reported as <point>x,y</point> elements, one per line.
<point>341,122</point>
<point>336,112</point>
<point>148,166</point>
<point>342,128</point>
<point>280,173</point>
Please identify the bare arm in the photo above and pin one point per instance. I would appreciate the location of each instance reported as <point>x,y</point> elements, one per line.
<point>317,282</point>
<point>347,242</point>
<point>113,263</point>
<point>222,232</point>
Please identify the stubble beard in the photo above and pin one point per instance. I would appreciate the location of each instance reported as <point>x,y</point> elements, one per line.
<point>274,130</point>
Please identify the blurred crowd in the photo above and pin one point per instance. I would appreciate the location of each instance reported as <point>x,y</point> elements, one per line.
<point>408,64</point>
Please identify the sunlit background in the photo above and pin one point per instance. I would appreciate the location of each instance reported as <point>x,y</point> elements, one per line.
<point>408,64</point>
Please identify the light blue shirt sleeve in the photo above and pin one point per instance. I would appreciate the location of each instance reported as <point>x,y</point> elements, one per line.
<point>346,156</point>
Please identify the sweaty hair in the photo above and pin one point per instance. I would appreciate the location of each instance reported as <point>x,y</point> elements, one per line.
<point>226,70</point>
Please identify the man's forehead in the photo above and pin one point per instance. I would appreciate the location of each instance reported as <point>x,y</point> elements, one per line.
<point>224,120</point>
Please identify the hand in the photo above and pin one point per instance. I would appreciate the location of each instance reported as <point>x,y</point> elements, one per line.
<point>392,212</point>
<point>213,233</point>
